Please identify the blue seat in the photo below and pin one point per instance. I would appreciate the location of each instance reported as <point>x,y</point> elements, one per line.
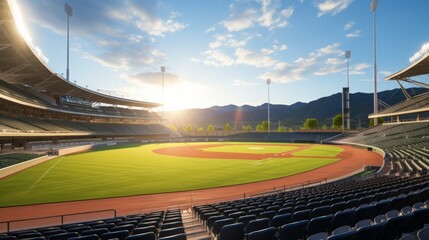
<point>280,220</point>
<point>362,212</point>
<point>86,237</point>
<point>263,234</point>
<point>233,231</point>
<point>318,236</point>
<point>79,229</point>
<point>212,219</point>
<point>285,210</point>
<point>172,225</point>
<point>374,231</point>
<point>319,224</point>
<point>395,225</point>
<point>268,214</point>
<point>418,220</point>
<point>63,236</point>
<point>219,224</point>
<point>257,224</point>
<point>142,236</point>
<point>104,225</point>
<point>97,232</point>
<point>246,219</point>
<point>181,236</point>
<point>128,227</point>
<point>47,234</point>
<point>423,234</point>
<point>350,235</point>
<point>121,235</point>
<point>341,218</point>
<point>301,215</point>
<point>29,235</point>
<point>171,231</point>
<point>321,211</point>
<point>293,231</point>
<point>140,230</point>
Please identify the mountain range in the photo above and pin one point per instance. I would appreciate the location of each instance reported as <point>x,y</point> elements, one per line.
<point>293,116</point>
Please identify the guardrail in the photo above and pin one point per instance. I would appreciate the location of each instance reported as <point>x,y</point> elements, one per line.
<point>38,222</point>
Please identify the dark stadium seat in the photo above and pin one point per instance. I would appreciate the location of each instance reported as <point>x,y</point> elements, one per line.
<point>374,231</point>
<point>233,231</point>
<point>128,227</point>
<point>263,234</point>
<point>86,237</point>
<point>79,229</point>
<point>246,219</point>
<point>171,225</point>
<point>121,235</point>
<point>53,232</point>
<point>293,231</point>
<point>7,237</point>
<point>104,225</point>
<point>257,224</point>
<point>171,232</point>
<point>29,235</point>
<point>181,236</point>
<point>142,236</point>
<point>423,234</point>
<point>280,220</point>
<point>97,232</point>
<point>350,235</point>
<point>144,230</point>
<point>211,220</point>
<point>301,215</point>
<point>341,218</point>
<point>63,236</point>
<point>319,224</point>
<point>318,236</point>
<point>321,211</point>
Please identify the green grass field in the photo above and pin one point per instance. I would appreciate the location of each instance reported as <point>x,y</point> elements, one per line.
<point>136,170</point>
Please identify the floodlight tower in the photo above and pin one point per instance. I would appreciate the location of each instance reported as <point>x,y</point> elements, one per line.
<point>346,95</point>
<point>373,7</point>
<point>69,11</point>
<point>163,99</point>
<point>268,87</point>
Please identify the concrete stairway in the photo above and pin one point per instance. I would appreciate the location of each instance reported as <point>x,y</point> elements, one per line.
<point>193,228</point>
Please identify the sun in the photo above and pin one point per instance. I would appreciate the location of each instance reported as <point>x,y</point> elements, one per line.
<point>184,95</point>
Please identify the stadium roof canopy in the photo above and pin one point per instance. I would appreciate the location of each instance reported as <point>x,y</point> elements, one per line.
<point>22,66</point>
<point>418,68</point>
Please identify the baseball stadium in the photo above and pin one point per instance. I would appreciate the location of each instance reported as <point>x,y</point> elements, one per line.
<point>79,164</point>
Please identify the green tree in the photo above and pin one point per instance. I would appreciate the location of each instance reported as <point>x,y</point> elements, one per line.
<point>264,125</point>
<point>324,127</point>
<point>311,123</point>
<point>200,131</point>
<point>281,128</point>
<point>189,128</point>
<point>380,121</point>
<point>210,128</point>
<point>247,128</point>
<point>288,129</point>
<point>227,128</point>
<point>337,121</point>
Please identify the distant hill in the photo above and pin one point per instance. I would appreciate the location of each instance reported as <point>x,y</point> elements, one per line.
<point>323,109</point>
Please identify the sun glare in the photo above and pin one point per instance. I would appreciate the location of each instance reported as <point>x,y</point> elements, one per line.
<point>183,95</point>
<point>17,14</point>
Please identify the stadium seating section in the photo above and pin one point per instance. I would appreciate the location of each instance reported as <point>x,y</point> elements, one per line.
<point>10,159</point>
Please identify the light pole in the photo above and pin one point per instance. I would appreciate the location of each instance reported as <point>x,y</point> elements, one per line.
<point>346,115</point>
<point>373,7</point>
<point>69,11</point>
<point>268,87</point>
<point>163,99</point>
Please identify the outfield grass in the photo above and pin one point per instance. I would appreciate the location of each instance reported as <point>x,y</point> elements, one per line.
<point>252,148</point>
<point>136,170</point>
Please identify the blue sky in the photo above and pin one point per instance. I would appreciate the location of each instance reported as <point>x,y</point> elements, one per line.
<point>219,52</point>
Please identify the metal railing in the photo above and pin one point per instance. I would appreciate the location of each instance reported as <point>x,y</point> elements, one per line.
<point>53,220</point>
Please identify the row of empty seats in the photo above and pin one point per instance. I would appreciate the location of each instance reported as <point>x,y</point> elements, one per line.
<point>299,214</point>
<point>162,225</point>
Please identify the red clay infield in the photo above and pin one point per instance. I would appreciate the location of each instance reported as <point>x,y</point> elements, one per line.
<point>352,160</point>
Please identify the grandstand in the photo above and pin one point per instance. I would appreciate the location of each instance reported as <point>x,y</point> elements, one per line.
<point>37,104</point>
<point>40,108</point>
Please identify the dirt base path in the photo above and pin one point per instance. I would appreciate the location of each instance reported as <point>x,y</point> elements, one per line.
<point>353,159</point>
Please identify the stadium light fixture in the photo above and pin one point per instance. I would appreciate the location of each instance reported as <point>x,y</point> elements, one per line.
<point>69,11</point>
<point>373,7</point>
<point>268,86</point>
<point>163,99</point>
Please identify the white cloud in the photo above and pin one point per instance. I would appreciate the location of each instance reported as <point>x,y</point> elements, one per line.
<point>239,82</point>
<point>354,34</point>
<point>385,73</point>
<point>332,7</point>
<point>320,62</point>
<point>241,21</point>
<point>154,78</point>
<point>358,69</point>
<point>217,58</point>
<point>212,29</point>
<point>271,15</point>
<point>349,25</point>
<point>227,40</point>
<point>251,58</point>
